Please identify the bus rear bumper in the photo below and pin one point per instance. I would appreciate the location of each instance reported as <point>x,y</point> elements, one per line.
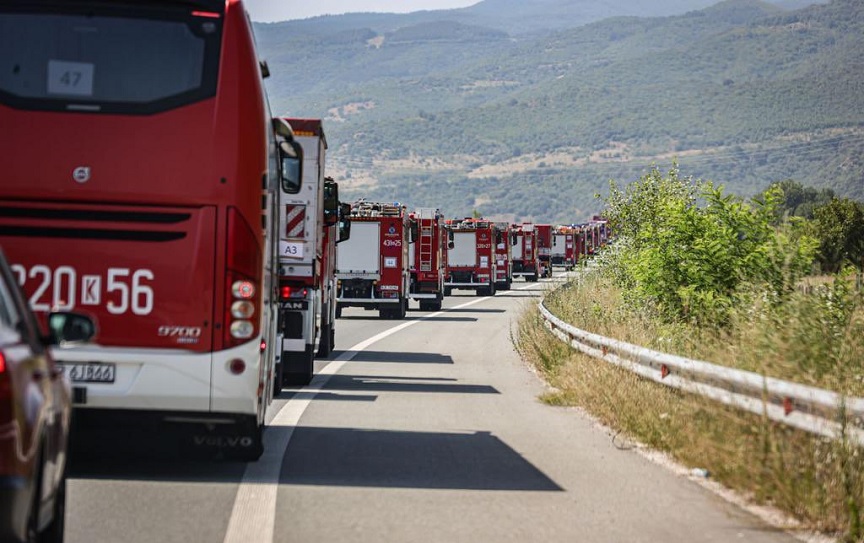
<point>170,380</point>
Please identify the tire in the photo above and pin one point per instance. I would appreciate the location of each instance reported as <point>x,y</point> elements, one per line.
<point>32,533</point>
<point>338,311</point>
<point>448,291</point>
<point>53,533</point>
<point>425,306</point>
<point>278,378</point>
<point>325,343</point>
<point>436,305</point>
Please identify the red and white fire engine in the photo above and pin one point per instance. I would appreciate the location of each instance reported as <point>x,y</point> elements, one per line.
<point>426,255</point>
<point>565,247</point>
<point>471,262</point>
<point>372,269</point>
<point>503,256</point>
<point>544,248</point>
<point>307,215</point>
<point>524,243</point>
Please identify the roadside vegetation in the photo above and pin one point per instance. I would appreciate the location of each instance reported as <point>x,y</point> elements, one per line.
<point>746,284</point>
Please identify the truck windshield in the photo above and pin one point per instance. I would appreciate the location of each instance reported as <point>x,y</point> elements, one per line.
<point>95,57</point>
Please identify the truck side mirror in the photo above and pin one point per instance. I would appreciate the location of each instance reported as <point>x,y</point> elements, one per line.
<point>344,222</point>
<point>331,201</point>
<point>513,239</point>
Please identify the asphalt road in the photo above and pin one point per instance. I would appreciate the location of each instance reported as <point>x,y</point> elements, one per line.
<point>423,430</point>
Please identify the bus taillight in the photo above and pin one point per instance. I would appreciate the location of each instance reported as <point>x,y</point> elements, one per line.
<point>243,296</point>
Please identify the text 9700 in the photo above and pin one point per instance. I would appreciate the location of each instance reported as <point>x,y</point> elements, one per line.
<point>62,289</point>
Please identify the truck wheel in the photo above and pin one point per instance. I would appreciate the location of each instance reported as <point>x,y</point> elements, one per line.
<point>278,378</point>
<point>324,346</point>
<point>436,305</point>
<point>425,306</point>
<point>403,309</point>
<point>338,311</point>
<point>448,291</point>
<point>54,532</point>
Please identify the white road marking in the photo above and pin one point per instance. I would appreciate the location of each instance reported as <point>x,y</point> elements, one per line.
<point>253,517</point>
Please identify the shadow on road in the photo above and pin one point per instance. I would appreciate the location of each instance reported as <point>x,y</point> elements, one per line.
<point>397,459</point>
<point>412,317</point>
<point>475,310</point>
<point>396,357</point>
<point>151,458</point>
<point>402,384</point>
<point>521,294</point>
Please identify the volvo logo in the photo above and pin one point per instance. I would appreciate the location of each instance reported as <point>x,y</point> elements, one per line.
<point>81,174</point>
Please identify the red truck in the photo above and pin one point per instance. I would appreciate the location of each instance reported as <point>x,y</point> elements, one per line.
<point>372,267</point>
<point>565,247</point>
<point>471,261</point>
<point>544,248</point>
<point>524,243</point>
<point>503,256</point>
<point>426,254</point>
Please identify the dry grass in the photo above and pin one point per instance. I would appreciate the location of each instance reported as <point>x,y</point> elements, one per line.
<point>816,480</point>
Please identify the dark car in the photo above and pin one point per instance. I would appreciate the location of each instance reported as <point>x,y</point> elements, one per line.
<point>35,408</point>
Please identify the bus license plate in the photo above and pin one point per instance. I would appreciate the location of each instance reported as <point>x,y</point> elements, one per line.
<point>89,372</point>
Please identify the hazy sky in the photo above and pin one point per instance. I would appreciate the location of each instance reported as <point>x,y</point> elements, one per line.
<point>282,10</point>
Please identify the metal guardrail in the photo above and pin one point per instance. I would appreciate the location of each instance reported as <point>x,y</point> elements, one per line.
<point>811,409</point>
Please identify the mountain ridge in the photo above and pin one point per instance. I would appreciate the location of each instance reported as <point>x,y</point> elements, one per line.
<point>463,117</point>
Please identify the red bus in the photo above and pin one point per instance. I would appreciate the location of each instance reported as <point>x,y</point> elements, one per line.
<point>139,163</point>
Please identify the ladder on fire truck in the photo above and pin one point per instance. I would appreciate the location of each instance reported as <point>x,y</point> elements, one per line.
<point>426,242</point>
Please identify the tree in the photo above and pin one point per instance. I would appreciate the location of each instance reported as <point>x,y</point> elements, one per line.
<point>798,200</point>
<point>840,229</point>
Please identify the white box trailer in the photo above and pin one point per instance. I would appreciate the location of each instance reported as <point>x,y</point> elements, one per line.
<point>464,251</point>
<point>360,255</point>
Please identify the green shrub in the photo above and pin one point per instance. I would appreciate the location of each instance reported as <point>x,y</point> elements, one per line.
<point>687,250</point>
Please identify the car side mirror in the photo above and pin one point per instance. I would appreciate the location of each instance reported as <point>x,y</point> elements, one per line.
<point>66,327</point>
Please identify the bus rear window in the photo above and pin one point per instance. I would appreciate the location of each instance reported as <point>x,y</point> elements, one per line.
<point>107,60</point>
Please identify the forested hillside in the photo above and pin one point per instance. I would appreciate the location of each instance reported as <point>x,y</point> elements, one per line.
<point>461,112</point>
